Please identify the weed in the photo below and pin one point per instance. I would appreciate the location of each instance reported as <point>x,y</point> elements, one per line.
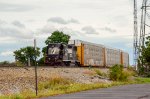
<point>98,72</point>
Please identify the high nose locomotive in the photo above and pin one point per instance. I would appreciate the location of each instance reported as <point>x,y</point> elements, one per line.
<point>60,54</point>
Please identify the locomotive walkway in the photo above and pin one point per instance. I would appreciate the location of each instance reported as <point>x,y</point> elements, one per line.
<point>138,91</point>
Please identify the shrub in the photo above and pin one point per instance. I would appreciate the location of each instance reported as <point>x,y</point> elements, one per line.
<point>54,83</point>
<point>98,72</point>
<point>19,64</point>
<point>116,73</point>
<point>124,75</point>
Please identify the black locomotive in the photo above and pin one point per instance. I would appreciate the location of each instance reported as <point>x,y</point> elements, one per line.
<point>58,54</point>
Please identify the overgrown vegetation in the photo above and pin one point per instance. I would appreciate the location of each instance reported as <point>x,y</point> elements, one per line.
<point>144,59</point>
<point>55,82</point>
<point>98,72</point>
<point>117,73</point>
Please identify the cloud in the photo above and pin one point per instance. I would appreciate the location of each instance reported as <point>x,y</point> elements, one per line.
<point>108,29</point>
<point>73,21</point>
<point>89,30</point>
<point>2,22</point>
<point>60,20</point>
<point>9,7</point>
<point>14,31</point>
<point>48,29</point>
<point>6,53</point>
<point>70,31</point>
<point>18,24</point>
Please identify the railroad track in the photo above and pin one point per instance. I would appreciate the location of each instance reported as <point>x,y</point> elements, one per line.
<point>50,67</point>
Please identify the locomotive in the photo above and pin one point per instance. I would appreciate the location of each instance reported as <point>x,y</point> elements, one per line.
<point>81,53</point>
<point>61,54</point>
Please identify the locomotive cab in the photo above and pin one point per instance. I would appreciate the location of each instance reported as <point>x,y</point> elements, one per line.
<point>54,54</point>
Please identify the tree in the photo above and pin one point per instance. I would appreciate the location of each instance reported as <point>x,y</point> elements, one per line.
<point>26,53</point>
<point>145,57</point>
<point>56,37</point>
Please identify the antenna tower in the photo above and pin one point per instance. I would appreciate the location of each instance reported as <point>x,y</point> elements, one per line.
<point>135,43</point>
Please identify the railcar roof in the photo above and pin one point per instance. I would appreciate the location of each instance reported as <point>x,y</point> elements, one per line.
<point>108,47</point>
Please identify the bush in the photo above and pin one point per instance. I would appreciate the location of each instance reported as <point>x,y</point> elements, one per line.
<point>98,72</point>
<point>124,75</point>
<point>54,83</point>
<point>116,73</point>
<point>19,64</point>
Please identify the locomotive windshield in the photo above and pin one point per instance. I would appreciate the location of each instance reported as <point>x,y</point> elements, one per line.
<point>54,50</point>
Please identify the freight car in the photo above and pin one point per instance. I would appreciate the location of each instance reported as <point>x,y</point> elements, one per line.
<point>83,53</point>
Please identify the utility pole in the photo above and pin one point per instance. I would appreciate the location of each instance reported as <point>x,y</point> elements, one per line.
<point>135,42</point>
<point>36,82</point>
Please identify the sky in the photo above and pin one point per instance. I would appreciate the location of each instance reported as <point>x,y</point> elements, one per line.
<point>107,22</point>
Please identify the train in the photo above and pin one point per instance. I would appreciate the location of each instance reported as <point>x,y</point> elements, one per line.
<point>82,53</point>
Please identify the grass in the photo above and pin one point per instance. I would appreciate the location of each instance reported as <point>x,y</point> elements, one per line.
<point>141,80</point>
<point>59,85</point>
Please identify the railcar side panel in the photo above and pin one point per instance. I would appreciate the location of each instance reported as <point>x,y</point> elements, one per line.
<point>125,58</point>
<point>113,56</point>
<point>104,53</point>
<point>99,55</point>
<point>93,55</point>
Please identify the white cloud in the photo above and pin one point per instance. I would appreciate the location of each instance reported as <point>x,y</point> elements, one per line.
<point>14,30</point>
<point>18,24</point>
<point>60,20</point>
<point>108,29</point>
<point>89,30</point>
